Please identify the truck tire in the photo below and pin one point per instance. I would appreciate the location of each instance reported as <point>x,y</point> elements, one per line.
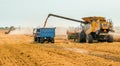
<point>52,40</point>
<point>41,40</point>
<point>35,39</point>
<point>38,39</point>
<point>82,37</point>
<point>110,38</point>
<point>89,39</point>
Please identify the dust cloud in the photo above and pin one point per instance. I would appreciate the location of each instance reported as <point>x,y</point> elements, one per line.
<point>29,30</point>
<point>23,30</point>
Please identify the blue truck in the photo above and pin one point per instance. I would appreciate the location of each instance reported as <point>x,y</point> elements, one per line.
<point>44,34</point>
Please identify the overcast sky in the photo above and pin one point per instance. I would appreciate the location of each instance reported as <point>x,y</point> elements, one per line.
<point>33,12</point>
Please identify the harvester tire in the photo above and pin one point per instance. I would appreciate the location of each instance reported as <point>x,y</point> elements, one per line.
<point>82,37</point>
<point>110,38</point>
<point>89,39</point>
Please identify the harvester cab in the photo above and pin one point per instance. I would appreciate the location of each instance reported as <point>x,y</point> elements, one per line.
<point>97,24</point>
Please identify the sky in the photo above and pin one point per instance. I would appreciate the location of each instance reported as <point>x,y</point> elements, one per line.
<point>32,13</point>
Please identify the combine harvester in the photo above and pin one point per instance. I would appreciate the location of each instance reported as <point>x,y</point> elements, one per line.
<point>10,29</point>
<point>94,29</point>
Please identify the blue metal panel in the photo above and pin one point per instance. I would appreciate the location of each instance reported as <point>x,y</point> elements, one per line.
<point>46,32</point>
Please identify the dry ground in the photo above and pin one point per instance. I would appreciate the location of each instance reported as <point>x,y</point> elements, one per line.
<point>20,50</point>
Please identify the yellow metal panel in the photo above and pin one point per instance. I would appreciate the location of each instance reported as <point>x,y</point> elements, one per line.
<point>90,19</point>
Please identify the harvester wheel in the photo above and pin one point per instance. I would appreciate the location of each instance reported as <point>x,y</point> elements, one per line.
<point>110,38</point>
<point>89,39</point>
<point>82,37</point>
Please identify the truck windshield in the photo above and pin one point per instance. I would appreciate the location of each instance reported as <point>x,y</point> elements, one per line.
<point>38,30</point>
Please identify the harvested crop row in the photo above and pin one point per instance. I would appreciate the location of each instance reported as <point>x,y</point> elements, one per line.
<point>56,55</point>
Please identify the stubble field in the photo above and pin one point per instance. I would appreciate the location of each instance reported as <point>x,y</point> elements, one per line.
<point>20,50</point>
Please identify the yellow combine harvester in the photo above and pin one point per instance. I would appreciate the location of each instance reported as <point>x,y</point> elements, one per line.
<point>96,28</point>
<point>93,29</point>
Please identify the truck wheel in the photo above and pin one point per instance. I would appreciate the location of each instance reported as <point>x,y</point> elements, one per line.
<point>52,40</point>
<point>41,40</point>
<point>35,39</point>
<point>110,38</point>
<point>38,39</point>
<point>82,37</point>
<point>89,39</point>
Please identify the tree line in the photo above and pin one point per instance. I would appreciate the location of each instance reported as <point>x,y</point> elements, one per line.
<point>5,28</point>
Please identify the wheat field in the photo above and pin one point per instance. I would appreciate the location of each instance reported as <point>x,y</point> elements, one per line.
<point>20,50</point>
